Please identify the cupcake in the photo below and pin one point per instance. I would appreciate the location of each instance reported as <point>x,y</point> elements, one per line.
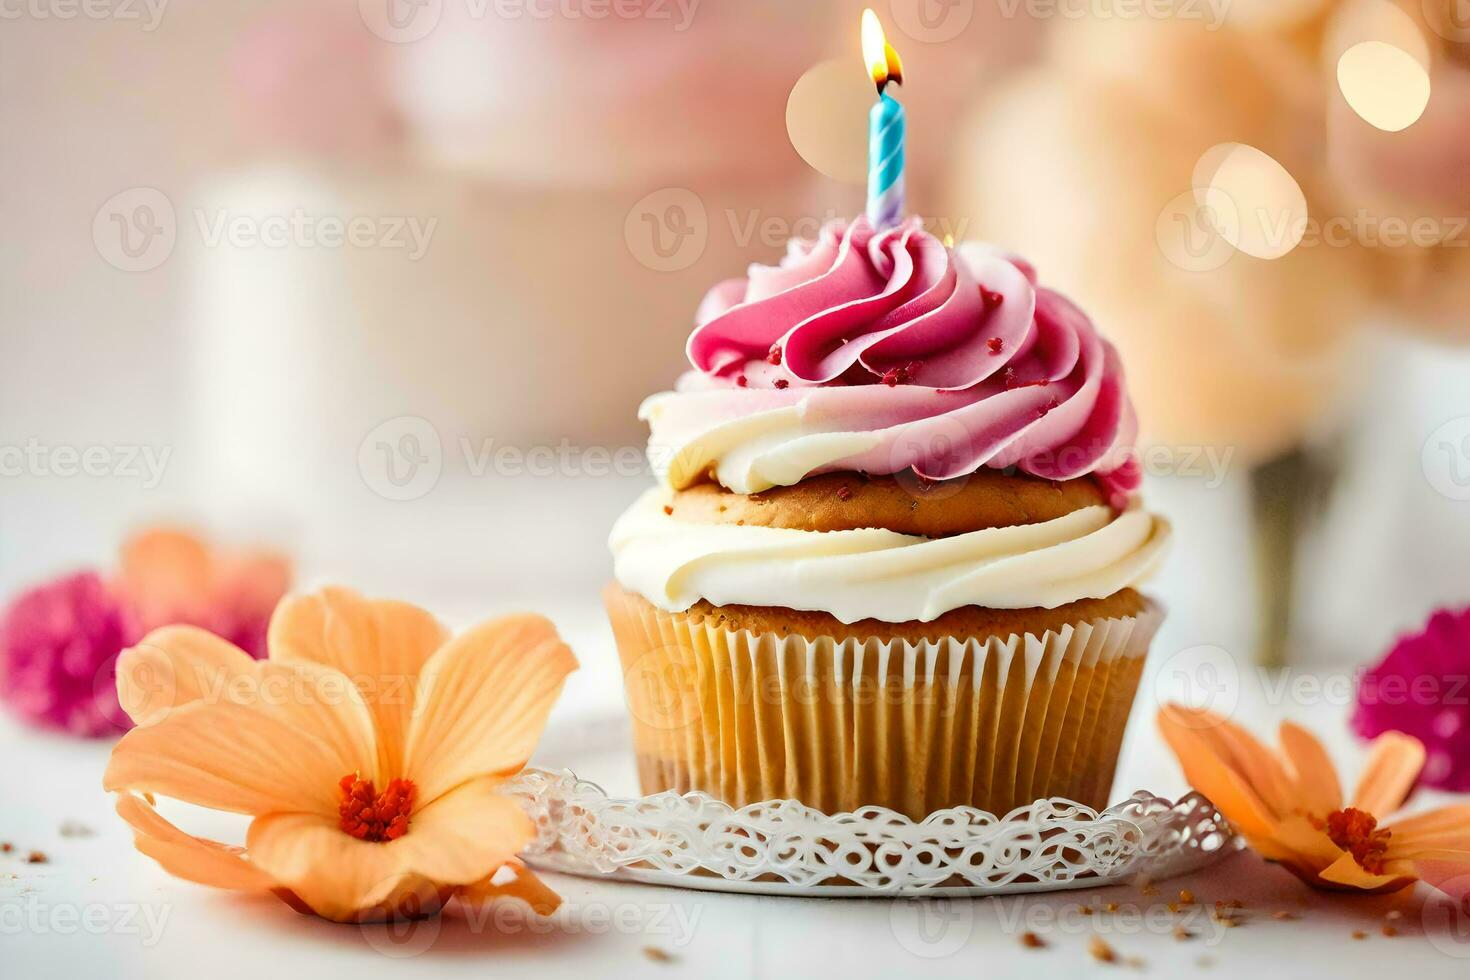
<point>893,554</point>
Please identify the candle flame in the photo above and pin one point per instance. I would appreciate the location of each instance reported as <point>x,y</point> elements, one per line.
<point>883,62</point>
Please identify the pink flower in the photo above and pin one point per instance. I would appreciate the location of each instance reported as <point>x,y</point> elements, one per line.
<point>1422,688</point>
<point>60,641</point>
<point>59,644</point>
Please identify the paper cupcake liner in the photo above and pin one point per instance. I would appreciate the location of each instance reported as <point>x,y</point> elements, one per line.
<point>990,722</point>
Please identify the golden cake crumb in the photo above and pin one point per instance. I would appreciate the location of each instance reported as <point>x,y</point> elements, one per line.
<point>1359,934</point>
<point>1101,951</point>
<point>658,955</point>
<point>1032,941</point>
<point>1186,897</point>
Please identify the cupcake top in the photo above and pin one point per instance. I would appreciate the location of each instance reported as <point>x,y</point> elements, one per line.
<point>882,427</point>
<point>886,352</point>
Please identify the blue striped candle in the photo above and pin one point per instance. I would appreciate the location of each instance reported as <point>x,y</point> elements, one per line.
<point>886,129</point>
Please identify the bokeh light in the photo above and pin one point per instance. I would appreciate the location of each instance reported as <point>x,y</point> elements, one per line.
<point>1384,84</point>
<point>827,118</point>
<point>1269,210</point>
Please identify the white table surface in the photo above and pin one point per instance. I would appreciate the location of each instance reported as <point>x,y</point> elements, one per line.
<point>99,908</point>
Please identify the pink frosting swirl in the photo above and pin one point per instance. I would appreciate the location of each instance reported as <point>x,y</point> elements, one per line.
<point>952,361</point>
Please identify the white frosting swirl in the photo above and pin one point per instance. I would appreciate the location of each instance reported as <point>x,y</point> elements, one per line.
<point>875,573</point>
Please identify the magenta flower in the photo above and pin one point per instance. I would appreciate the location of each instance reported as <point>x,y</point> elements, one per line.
<point>59,644</point>
<point>1422,688</point>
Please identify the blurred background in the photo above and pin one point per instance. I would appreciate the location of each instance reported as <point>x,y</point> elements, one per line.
<point>381,284</point>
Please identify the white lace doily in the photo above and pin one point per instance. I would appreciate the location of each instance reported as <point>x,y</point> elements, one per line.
<point>784,847</point>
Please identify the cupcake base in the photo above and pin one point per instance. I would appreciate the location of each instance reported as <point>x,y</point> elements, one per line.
<point>764,705</point>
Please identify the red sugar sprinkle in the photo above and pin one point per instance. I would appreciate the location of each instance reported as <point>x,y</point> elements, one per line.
<point>991,299</point>
<point>774,355</point>
<point>782,384</point>
<point>742,381</point>
<point>901,375</point>
<point>844,492</point>
<point>995,345</point>
<point>1009,377</point>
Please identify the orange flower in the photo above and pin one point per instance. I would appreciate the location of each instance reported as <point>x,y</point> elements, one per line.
<point>1289,808</point>
<point>172,576</point>
<point>370,750</point>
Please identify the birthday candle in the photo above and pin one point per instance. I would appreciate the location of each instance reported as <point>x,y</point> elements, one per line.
<point>886,128</point>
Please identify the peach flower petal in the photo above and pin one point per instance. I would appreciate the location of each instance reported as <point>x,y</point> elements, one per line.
<point>1315,776</point>
<point>1256,765</point>
<point>286,750</point>
<point>338,877</point>
<point>1307,842</point>
<point>1446,827</point>
<point>1206,772</point>
<point>1449,872</point>
<point>204,862</point>
<point>1394,763</point>
<point>524,885</point>
<point>465,835</point>
<point>483,702</point>
<point>166,570</point>
<point>1346,871</point>
<point>461,838</point>
<point>174,666</point>
<point>381,644</point>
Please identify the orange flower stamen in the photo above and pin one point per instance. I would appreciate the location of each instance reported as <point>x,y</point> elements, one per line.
<point>1357,833</point>
<point>372,816</point>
